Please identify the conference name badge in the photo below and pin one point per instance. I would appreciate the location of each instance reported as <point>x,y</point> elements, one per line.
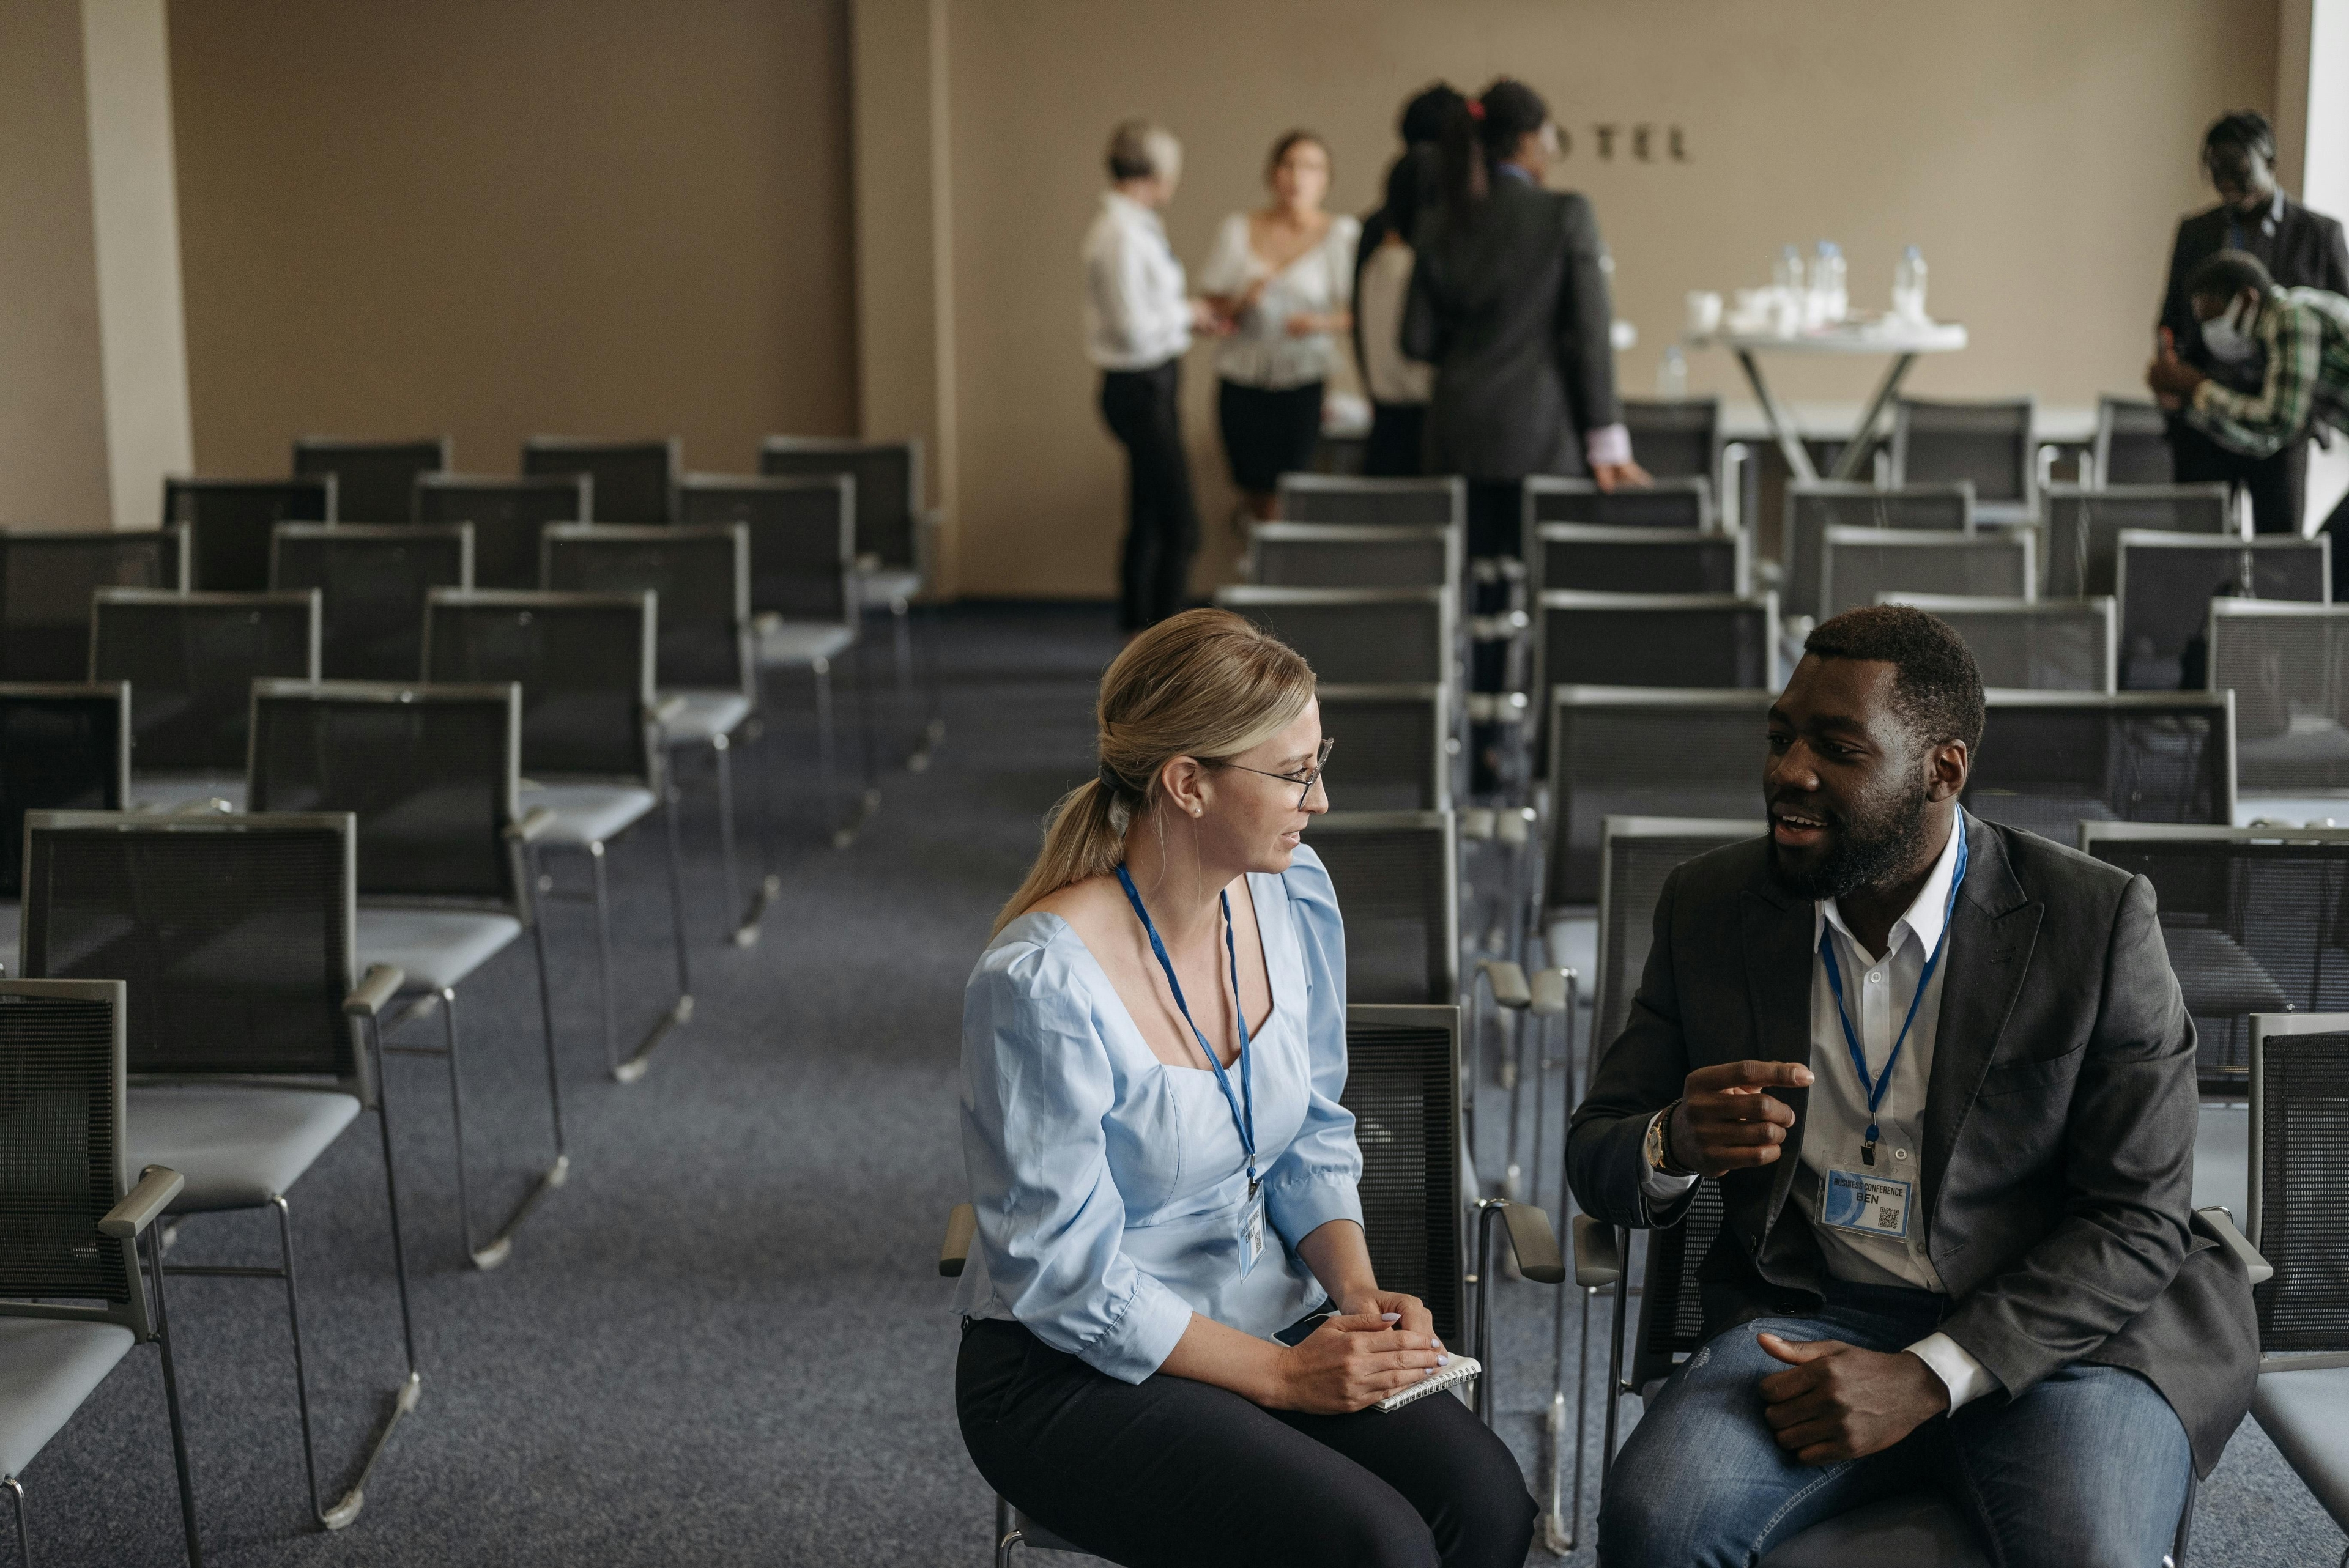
<point>1251,1239</point>
<point>1867,1204</point>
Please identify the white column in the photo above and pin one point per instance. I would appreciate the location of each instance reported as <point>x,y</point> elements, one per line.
<point>2324,185</point>
<point>143,331</point>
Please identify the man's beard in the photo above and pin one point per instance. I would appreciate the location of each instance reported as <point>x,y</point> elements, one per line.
<point>1869,849</point>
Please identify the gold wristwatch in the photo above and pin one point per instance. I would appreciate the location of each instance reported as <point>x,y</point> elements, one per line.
<point>1659,1147</point>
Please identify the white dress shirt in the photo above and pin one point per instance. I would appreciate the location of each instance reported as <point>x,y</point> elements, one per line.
<point>1137,314</point>
<point>1387,373</point>
<point>1877,991</point>
<point>1260,352</point>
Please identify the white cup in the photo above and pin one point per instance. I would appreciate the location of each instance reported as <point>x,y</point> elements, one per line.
<point>1703,313</point>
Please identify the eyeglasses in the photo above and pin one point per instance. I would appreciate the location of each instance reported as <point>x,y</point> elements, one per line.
<point>1304,781</point>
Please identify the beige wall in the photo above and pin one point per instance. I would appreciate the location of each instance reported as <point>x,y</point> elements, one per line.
<point>2039,154</point>
<point>596,217</point>
<point>52,399</point>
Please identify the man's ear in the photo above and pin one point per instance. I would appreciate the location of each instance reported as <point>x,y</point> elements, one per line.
<point>1947,767</point>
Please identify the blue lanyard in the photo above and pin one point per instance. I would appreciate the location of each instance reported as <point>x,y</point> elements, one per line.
<point>1875,1090</point>
<point>1242,1105</point>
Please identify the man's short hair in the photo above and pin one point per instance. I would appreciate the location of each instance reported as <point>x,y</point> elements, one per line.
<point>2245,130</point>
<point>2227,274</point>
<point>1937,688</point>
<point>1139,148</point>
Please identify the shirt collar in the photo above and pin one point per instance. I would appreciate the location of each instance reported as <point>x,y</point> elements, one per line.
<point>1125,207</point>
<point>1930,911</point>
<point>1515,172</point>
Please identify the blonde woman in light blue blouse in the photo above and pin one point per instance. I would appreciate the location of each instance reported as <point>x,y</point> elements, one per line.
<point>1172,1331</point>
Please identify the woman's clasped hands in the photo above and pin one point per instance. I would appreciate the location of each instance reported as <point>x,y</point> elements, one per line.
<point>1359,1357</point>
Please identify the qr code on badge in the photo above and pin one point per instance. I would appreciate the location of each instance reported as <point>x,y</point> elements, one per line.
<point>1888,1218</point>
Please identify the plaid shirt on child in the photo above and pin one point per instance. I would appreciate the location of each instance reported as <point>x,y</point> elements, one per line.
<point>2306,334</point>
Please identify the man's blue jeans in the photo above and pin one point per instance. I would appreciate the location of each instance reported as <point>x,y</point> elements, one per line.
<point>2089,1467</point>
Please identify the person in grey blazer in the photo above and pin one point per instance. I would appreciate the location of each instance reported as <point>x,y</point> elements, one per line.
<point>1508,301</point>
<point>1946,1081</point>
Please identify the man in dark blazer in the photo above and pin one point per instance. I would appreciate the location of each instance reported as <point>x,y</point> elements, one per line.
<point>1945,1079</point>
<point>2300,249</point>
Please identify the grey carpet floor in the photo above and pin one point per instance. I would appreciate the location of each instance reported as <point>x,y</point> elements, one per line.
<point>724,1341</point>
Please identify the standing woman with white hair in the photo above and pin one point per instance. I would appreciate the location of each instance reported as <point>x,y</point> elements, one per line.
<point>1138,323</point>
<point>1172,1332</point>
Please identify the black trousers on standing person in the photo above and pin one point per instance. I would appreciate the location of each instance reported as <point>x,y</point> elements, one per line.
<point>1496,526</point>
<point>2278,484</point>
<point>1173,1473</point>
<point>1143,411</point>
<point>1397,448</point>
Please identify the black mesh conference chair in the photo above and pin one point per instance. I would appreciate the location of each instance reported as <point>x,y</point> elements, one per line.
<point>1353,555</point>
<point>1398,881</point>
<point>2050,761</point>
<point>634,481</point>
<point>1400,751</point>
<point>2299,1220</point>
<point>2044,645</point>
<point>1815,506</point>
<point>2166,584</point>
<point>2083,528</point>
<point>1358,636</point>
<point>705,680</point>
<point>585,663</point>
<point>375,482</point>
<point>63,747</point>
<point>75,1219</point>
<point>447,861</point>
<point>2132,444</point>
<point>897,543</point>
<point>1587,557</point>
<point>1642,751</point>
<point>1675,439</point>
<point>46,581</point>
<point>1440,503</point>
<point>2288,666</point>
<point>1857,565</point>
<point>803,603</point>
<point>1988,444</point>
<point>250,1037</point>
<point>371,581</point>
<point>1655,640</point>
<point>1680,503</point>
<point>508,515</point>
<point>228,523</point>
<point>2253,920</point>
<point>192,660</point>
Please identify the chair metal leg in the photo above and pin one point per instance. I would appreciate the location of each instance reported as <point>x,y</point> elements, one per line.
<point>870,800</point>
<point>762,763</point>
<point>15,1489</point>
<point>1007,1535</point>
<point>603,899</point>
<point>500,1247</point>
<point>1622,1288</point>
<point>546,1016</point>
<point>294,1324</point>
<point>934,723</point>
<point>746,929</point>
<point>391,1204</point>
<point>826,746</point>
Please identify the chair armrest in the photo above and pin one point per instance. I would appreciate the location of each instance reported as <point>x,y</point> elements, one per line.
<point>533,825</point>
<point>1536,1244</point>
<point>210,806</point>
<point>376,989</point>
<point>1515,826</point>
<point>1550,990</point>
<point>1498,707</point>
<point>1501,626</point>
<point>962,1225</point>
<point>1476,822</point>
<point>664,709</point>
<point>2220,1226</point>
<point>1509,982</point>
<point>158,1185</point>
<point>1598,1260</point>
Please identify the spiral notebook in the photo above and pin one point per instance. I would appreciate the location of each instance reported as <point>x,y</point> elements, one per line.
<point>1459,1370</point>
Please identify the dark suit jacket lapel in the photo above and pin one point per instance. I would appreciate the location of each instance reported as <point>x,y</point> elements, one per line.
<point>1778,965</point>
<point>1990,941</point>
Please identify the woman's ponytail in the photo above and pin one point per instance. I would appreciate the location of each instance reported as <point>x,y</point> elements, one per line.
<point>1478,133</point>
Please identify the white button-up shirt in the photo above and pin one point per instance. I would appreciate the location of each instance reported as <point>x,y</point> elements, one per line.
<point>1136,313</point>
<point>1876,991</point>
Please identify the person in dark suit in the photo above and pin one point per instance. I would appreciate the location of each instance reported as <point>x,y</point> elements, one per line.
<point>1945,1079</point>
<point>1397,442</point>
<point>2300,249</point>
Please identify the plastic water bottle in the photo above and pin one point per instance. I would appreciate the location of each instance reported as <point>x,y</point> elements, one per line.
<point>1671,376</point>
<point>1830,301</point>
<point>1788,277</point>
<point>1909,286</point>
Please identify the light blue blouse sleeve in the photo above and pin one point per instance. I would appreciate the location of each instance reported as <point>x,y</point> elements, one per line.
<point>1036,1086</point>
<point>1317,1177</point>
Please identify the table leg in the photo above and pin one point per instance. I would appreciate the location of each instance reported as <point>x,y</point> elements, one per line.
<point>1855,453</point>
<point>1782,428</point>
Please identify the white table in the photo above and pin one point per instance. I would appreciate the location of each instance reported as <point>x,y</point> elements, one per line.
<point>1904,341</point>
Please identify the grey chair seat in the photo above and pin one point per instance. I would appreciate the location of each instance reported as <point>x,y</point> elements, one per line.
<point>47,1370</point>
<point>2222,1159</point>
<point>880,586</point>
<point>437,948</point>
<point>588,814</point>
<point>1916,1529</point>
<point>2301,808</point>
<point>706,715</point>
<point>170,791</point>
<point>2306,1415</point>
<point>238,1146</point>
<point>795,645</point>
